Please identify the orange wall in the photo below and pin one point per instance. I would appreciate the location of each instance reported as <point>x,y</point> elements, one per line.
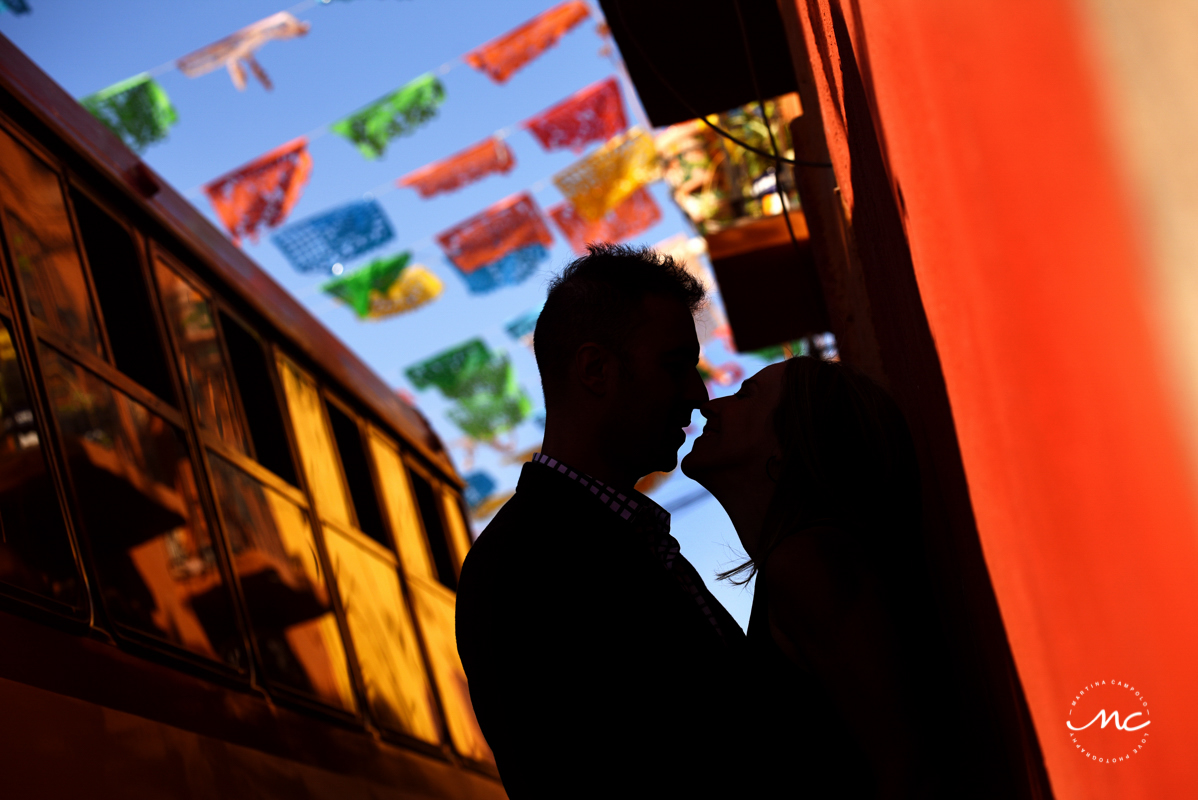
<point>1034,286</point>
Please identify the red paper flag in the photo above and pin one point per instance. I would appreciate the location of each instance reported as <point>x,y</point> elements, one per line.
<point>594,114</point>
<point>510,224</point>
<point>636,214</point>
<point>450,174</point>
<point>501,57</point>
<point>263,191</point>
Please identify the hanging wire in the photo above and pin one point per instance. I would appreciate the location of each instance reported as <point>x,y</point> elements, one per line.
<point>744,38</point>
<point>691,109</point>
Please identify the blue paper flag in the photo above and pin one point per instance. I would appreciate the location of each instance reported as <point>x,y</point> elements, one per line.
<point>479,486</point>
<point>525,324</point>
<point>317,243</point>
<point>514,268</point>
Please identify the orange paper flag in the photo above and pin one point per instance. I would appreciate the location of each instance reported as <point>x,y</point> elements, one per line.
<point>511,224</point>
<point>450,174</point>
<point>501,57</point>
<point>262,192</point>
<point>635,214</point>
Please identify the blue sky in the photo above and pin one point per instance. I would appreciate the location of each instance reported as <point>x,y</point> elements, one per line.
<point>356,51</point>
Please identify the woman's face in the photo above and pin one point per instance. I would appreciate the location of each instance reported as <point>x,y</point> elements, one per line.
<point>739,439</point>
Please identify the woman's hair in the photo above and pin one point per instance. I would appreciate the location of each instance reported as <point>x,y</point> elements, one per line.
<point>849,468</point>
<point>848,463</point>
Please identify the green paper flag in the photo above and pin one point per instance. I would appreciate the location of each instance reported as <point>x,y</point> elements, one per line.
<point>378,275</point>
<point>483,416</point>
<point>482,384</point>
<point>397,114</point>
<point>450,370</point>
<point>137,110</point>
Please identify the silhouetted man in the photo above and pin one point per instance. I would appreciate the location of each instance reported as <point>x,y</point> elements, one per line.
<point>599,665</point>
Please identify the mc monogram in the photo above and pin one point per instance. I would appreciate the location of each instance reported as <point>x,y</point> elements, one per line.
<point>1117,737</point>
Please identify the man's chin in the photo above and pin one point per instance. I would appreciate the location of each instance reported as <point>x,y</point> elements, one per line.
<point>667,463</point>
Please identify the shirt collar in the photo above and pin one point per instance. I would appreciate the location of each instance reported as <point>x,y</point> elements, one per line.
<point>625,506</point>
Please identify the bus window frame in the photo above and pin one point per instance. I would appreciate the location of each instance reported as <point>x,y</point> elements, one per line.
<point>158,252</point>
<point>360,717</point>
<point>105,369</point>
<point>33,335</point>
<point>15,311</point>
<point>329,397</point>
<point>210,442</point>
<point>144,246</point>
<point>61,173</point>
<point>413,463</point>
<point>366,429</point>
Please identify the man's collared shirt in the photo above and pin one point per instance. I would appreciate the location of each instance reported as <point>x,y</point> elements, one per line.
<point>649,519</point>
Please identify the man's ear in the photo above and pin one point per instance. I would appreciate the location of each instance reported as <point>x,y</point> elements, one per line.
<point>594,366</point>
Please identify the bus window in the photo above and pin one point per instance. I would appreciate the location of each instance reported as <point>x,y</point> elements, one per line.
<point>285,590</point>
<point>263,416</point>
<point>35,552</point>
<point>357,473</point>
<point>459,532</point>
<point>189,316</point>
<point>153,551</point>
<point>315,446</point>
<point>397,690</point>
<point>435,610</point>
<point>396,490</point>
<point>43,249</point>
<point>434,529</point>
<point>124,301</point>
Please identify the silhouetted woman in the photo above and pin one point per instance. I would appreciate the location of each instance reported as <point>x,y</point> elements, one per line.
<point>814,464</point>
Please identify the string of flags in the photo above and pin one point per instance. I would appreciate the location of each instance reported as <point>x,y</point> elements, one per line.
<point>599,106</point>
<point>369,129</point>
<point>501,246</point>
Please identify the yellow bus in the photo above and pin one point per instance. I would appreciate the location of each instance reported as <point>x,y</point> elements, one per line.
<point>228,550</point>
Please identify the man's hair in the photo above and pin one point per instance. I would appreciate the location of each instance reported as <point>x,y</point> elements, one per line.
<point>596,299</point>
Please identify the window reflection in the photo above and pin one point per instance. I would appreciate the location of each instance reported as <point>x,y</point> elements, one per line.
<point>384,637</point>
<point>39,233</point>
<point>459,533</point>
<point>435,610</point>
<point>274,556</point>
<point>35,552</point>
<point>315,445</point>
<point>400,506</point>
<point>153,551</point>
<point>190,319</point>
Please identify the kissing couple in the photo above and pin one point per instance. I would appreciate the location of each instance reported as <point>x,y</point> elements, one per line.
<point>600,665</point>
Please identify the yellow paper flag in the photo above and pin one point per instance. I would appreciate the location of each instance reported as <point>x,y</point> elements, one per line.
<point>596,184</point>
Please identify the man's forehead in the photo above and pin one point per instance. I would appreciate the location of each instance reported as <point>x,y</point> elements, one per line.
<point>665,323</point>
